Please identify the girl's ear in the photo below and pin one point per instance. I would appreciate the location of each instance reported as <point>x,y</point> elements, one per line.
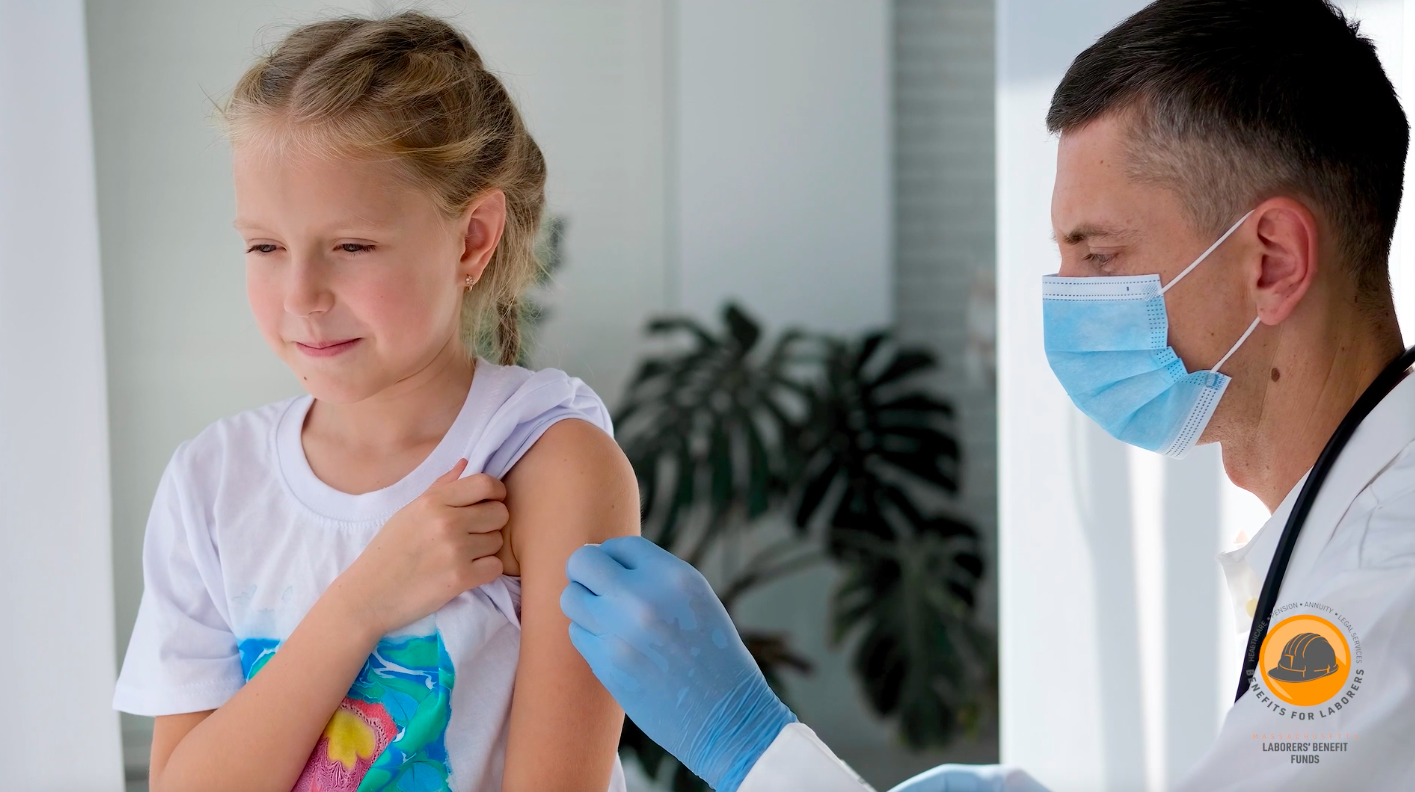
<point>482,224</point>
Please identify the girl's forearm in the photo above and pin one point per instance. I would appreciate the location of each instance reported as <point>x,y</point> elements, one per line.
<point>262,737</point>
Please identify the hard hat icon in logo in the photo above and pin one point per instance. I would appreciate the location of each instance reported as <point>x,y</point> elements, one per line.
<point>1306,656</point>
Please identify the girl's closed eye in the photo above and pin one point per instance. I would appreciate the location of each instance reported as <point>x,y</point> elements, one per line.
<point>351,248</point>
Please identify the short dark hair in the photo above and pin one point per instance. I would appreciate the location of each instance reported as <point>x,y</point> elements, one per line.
<point>1236,101</point>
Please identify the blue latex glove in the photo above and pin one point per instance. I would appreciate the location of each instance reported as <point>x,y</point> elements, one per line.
<point>659,640</point>
<point>971,778</point>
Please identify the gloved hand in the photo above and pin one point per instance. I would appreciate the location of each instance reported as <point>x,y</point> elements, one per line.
<point>971,778</point>
<point>659,640</point>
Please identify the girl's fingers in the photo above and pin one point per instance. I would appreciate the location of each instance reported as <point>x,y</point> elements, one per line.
<point>483,544</point>
<point>484,517</point>
<point>486,569</point>
<point>474,489</point>
<point>454,473</point>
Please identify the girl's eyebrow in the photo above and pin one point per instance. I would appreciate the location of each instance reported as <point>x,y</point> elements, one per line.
<point>343,229</point>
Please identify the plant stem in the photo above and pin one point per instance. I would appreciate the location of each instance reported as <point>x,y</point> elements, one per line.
<point>695,556</point>
<point>749,580</point>
<point>772,550</point>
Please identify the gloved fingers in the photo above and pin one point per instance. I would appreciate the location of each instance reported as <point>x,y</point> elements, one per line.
<point>956,778</point>
<point>592,567</point>
<point>587,644</point>
<point>1015,779</point>
<point>633,552</point>
<point>580,604</point>
<point>612,661</point>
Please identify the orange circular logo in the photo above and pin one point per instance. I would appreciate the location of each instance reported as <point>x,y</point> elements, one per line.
<point>1305,660</point>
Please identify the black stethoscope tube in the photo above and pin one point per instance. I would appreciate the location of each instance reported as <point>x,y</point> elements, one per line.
<point>1384,383</point>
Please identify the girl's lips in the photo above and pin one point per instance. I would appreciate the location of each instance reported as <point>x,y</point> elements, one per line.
<point>328,349</point>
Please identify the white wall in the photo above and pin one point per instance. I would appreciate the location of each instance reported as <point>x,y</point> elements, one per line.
<point>782,186</point>
<point>1390,25</point>
<point>1119,654</point>
<point>55,573</point>
<point>1050,652</point>
<point>590,79</point>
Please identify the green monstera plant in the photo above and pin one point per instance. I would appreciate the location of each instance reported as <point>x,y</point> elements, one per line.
<point>731,436</point>
<point>550,257</point>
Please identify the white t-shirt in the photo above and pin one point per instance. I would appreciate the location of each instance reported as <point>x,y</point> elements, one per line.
<point>243,538</point>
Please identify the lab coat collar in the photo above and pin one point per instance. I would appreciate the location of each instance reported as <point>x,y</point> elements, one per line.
<point>1245,566</point>
<point>1376,442</point>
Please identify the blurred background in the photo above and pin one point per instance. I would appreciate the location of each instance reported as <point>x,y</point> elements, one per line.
<point>867,179</point>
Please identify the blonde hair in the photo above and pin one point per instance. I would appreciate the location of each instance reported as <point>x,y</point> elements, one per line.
<point>411,88</point>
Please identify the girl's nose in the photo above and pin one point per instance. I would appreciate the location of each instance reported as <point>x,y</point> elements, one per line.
<point>307,289</point>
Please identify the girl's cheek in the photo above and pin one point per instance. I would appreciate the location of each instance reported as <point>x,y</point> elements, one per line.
<point>263,293</point>
<point>404,309</point>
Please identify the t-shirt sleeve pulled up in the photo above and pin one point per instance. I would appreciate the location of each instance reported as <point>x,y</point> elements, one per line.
<point>544,399</point>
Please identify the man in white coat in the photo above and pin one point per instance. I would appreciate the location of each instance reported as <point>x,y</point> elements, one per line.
<point>1228,179</point>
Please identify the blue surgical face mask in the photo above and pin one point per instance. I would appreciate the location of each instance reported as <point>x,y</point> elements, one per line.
<point>1107,340</point>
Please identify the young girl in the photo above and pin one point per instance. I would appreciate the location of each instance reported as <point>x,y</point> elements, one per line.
<point>330,603</point>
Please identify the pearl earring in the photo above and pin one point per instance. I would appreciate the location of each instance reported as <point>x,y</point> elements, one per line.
<point>471,281</point>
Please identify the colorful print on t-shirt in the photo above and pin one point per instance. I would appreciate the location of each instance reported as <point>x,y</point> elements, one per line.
<point>388,734</point>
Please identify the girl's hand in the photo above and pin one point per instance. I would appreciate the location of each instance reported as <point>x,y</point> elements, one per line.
<point>438,546</point>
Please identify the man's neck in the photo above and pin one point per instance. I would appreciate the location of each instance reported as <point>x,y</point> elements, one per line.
<point>1320,373</point>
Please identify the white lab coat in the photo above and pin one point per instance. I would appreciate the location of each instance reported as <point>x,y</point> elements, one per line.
<point>1353,566</point>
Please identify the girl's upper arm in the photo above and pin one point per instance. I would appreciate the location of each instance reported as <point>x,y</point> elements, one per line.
<point>572,487</point>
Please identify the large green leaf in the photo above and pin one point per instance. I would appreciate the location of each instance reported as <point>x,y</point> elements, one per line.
<point>876,440</point>
<point>869,424</point>
<point>920,656</point>
<point>712,421</point>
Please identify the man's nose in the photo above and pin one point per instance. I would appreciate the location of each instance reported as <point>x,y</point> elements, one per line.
<point>1073,267</point>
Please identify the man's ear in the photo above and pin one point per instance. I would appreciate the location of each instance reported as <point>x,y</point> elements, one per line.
<point>482,224</point>
<point>1288,248</point>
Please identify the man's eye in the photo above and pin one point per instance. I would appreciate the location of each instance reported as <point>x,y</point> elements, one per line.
<point>1099,259</point>
<point>263,248</point>
<point>354,247</point>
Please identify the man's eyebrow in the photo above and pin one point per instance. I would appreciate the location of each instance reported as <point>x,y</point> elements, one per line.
<point>1082,233</point>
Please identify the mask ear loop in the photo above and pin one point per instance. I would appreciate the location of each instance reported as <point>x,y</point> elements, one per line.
<point>1200,259</point>
<point>1248,332</point>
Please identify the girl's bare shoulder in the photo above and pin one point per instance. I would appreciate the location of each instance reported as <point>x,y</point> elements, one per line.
<point>574,486</point>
